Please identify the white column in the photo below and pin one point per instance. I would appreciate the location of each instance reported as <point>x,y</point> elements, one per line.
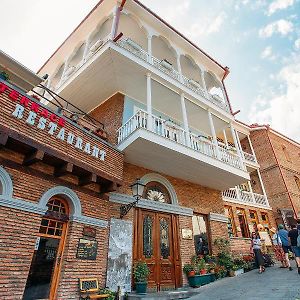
<point>179,67</point>
<point>251,191</point>
<point>114,23</point>
<point>251,147</point>
<point>64,70</point>
<point>213,132</point>
<point>225,138</point>
<point>237,146</point>
<point>262,186</point>
<point>149,102</point>
<point>86,49</point>
<point>204,83</point>
<point>185,120</point>
<point>149,37</point>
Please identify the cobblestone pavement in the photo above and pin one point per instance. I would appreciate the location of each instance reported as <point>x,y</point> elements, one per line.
<point>275,283</point>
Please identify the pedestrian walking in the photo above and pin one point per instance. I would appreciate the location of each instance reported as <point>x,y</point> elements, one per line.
<point>293,235</point>
<point>296,249</point>
<point>277,247</point>
<point>286,246</point>
<point>256,249</point>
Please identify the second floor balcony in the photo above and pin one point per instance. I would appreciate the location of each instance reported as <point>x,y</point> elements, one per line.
<point>159,144</point>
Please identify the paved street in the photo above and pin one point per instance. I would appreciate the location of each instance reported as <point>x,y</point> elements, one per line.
<point>275,283</point>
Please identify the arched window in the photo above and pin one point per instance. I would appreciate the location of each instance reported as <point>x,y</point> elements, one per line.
<point>157,192</point>
<point>286,153</point>
<point>55,218</point>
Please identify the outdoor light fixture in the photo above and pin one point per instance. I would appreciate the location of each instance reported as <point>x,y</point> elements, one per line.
<point>137,189</point>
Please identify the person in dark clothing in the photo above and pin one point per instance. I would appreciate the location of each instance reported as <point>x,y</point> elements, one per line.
<point>293,235</point>
<point>283,234</point>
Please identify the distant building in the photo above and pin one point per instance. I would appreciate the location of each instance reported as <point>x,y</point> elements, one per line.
<point>279,159</point>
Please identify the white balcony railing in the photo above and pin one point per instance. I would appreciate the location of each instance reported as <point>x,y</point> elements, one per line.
<point>168,69</point>
<point>177,134</point>
<point>245,197</point>
<point>250,158</point>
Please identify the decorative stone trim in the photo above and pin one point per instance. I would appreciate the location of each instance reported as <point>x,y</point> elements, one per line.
<point>90,221</point>
<point>22,205</point>
<point>6,182</point>
<point>67,194</point>
<point>157,177</point>
<point>218,217</point>
<point>154,205</point>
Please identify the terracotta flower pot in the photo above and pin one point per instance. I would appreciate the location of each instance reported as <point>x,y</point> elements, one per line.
<point>191,273</point>
<point>203,272</point>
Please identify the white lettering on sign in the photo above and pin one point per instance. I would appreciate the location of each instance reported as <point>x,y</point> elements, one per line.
<point>52,129</point>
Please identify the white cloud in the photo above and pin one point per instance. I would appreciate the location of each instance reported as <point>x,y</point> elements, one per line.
<point>297,44</point>
<point>283,109</point>
<point>281,26</point>
<point>279,5</point>
<point>216,24</point>
<point>268,53</point>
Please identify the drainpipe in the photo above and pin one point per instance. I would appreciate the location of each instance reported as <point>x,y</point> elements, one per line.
<point>118,14</point>
<point>225,75</point>
<point>281,173</point>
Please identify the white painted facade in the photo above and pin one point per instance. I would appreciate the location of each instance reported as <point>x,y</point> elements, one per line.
<point>182,122</point>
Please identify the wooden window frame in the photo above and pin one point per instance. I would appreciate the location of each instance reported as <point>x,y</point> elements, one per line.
<point>246,221</point>
<point>232,220</point>
<point>205,217</point>
<point>267,221</point>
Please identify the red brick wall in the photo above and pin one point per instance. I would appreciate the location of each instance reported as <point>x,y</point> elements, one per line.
<point>112,165</point>
<point>278,194</point>
<point>110,113</point>
<point>17,236</point>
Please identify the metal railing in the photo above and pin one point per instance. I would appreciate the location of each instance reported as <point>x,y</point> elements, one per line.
<point>249,157</point>
<point>168,69</point>
<point>66,109</point>
<point>245,197</point>
<point>176,133</point>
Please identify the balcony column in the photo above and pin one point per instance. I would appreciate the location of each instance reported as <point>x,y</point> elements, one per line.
<point>262,186</point>
<point>251,191</point>
<point>225,138</point>
<point>251,147</point>
<point>179,66</point>
<point>64,70</point>
<point>213,132</point>
<point>237,146</point>
<point>86,49</point>
<point>203,82</point>
<point>149,38</point>
<point>185,121</point>
<point>149,102</point>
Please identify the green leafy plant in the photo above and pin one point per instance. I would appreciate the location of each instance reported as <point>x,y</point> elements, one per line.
<point>111,294</point>
<point>141,272</point>
<point>187,268</point>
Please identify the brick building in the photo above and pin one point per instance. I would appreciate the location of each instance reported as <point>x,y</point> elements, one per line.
<point>278,157</point>
<point>161,105</point>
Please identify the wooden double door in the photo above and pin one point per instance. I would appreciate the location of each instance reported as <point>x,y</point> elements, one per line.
<point>156,243</point>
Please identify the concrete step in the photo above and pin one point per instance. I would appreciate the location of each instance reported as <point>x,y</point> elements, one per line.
<point>167,295</point>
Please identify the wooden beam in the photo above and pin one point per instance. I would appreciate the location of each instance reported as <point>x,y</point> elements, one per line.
<point>35,156</point>
<point>108,187</point>
<point>87,179</point>
<point>64,169</point>
<point>3,138</point>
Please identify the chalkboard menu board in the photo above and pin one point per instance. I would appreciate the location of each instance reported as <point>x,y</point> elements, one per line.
<point>87,249</point>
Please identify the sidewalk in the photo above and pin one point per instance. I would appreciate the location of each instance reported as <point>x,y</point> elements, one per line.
<point>274,283</point>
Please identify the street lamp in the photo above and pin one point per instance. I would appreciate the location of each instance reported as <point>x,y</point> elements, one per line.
<point>137,189</point>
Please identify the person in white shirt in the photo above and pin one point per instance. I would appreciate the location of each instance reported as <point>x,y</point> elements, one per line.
<point>277,247</point>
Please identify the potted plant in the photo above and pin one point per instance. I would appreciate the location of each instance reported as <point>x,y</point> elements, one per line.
<point>189,270</point>
<point>141,273</point>
<point>4,75</point>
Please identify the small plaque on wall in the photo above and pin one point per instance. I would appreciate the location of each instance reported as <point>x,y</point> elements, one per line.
<point>187,234</point>
<point>87,249</point>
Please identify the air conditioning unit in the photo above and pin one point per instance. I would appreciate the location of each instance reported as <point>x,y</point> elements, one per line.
<point>166,65</point>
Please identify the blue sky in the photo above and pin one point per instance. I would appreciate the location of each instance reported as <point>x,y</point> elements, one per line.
<point>258,39</point>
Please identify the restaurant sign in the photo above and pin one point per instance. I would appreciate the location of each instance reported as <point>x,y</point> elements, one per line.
<point>45,120</point>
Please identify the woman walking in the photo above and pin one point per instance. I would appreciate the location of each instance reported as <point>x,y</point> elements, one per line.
<point>256,247</point>
<point>277,247</point>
